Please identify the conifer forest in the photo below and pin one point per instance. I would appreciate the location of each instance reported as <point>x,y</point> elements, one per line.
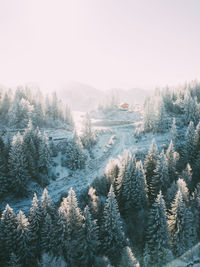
<point>120,189</point>
<point>99,133</point>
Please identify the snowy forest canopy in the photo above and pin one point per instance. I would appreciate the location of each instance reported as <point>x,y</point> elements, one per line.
<point>143,211</point>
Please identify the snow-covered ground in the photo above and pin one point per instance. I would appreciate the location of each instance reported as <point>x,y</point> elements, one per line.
<point>115,134</point>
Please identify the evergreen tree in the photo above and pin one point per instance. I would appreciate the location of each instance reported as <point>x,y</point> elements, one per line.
<point>47,234</point>
<point>20,113</point>
<point>187,176</point>
<point>46,205</point>
<point>61,230</point>
<point>88,137</point>
<point>23,251</point>
<point>38,114</point>
<point>182,228</point>
<point>112,172</point>
<point>173,133</point>
<point>5,106</point>
<point>90,241</point>
<point>196,170</point>
<point>189,143</point>
<point>197,140</point>
<point>8,233</point>
<point>181,185</point>
<point>18,174</point>
<point>54,107</point>
<point>68,117</point>
<point>112,234</point>
<point>172,158</point>
<point>149,115</point>
<point>74,155</point>
<point>149,167</point>
<point>139,198</point>
<point>195,207</point>
<point>35,225</point>
<point>3,168</point>
<point>125,181</point>
<point>189,107</point>
<point>29,146</point>
<point>157,235</point>
<point>44,152</point>
<point>161,177</point>
<point>160,118</point>
<point>70,229</point>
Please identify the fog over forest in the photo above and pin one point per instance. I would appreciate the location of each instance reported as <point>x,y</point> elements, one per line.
<point>99,133</point>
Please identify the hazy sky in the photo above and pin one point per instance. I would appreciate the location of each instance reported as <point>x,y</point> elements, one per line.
<point>105,43</point>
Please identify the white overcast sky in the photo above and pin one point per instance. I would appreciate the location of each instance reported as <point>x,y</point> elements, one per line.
<point>104,43</point>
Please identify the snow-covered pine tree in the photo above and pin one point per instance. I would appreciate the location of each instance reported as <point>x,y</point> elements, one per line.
<point>189,143</point>
<point>160,117</point>
<point>19,176</point>
<point>139,198</point>
<point>61,230</point>
<point>48,218</point>
<point>5,106</point>
<point>54,107</point>
<point>23,250</point>
<point>197,140</point>
<point>70,229</point>
<point>149,115</point>
<point>195,207</point>
<point>20,113</point>
<point>88,137</point>
<point>149,167</point>
<point>30,150</point>
<point>113,239</point>
<point>187,177</point>
<point>46,205</point>
<point>47,111</point>
<point>68,117</point>
<point>173,133</point>
<point>125,181</point>
<point>157,235</point>
<point>7,234</point>
<point>35,225</point>
<point>47,234</point>
<point>44,152</point>
<point>3,168</point>
<point>112,172</point>
<point>38,114</point>
<point>74,155</point>
<point>167,98</point>
<point>91,240</point>
<point>181,185</point>
<point>189,107</point>
<point>161,175</point>
<point>172,158</point>
<point>182,227</point>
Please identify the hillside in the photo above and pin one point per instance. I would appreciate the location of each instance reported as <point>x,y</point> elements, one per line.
<point>84,97</point>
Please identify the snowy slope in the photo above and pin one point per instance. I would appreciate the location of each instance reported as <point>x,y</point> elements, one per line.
<point>115,134</point>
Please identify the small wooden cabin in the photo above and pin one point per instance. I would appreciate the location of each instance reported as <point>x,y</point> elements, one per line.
<point>124,106</point>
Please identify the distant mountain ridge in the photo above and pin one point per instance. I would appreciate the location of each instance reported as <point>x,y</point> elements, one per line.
<point>85,97</point>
